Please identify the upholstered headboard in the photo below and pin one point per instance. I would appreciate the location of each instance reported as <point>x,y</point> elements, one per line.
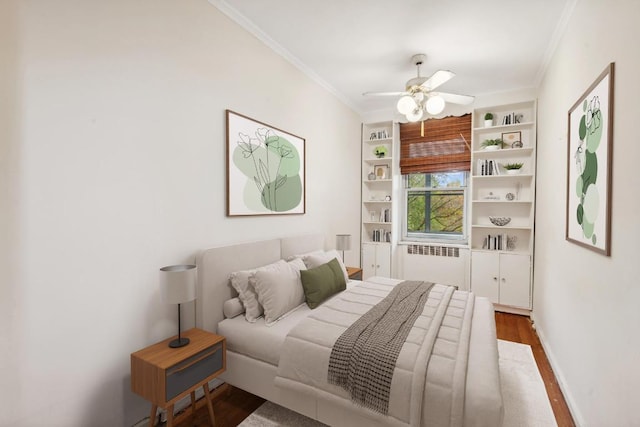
<point>215,265</point>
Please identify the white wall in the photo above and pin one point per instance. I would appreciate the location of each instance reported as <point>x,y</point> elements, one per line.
<point>112,155</point>
<point>586,304</point>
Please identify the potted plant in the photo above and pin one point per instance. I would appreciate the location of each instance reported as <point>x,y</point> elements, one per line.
<point>492,144</point>
<point>513,168</point>
<point>380,151</point>
<point>488,120</point>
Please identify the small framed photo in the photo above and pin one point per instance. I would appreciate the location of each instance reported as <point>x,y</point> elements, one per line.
<point>511,138</point>
<point>381,171</point>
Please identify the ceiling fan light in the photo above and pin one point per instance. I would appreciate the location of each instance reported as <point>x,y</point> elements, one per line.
<point>406,104</point>
<point>414,115</point>
<point>435,105</point>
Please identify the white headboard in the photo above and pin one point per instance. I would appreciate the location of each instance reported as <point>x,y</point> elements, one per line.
<point>215,265</point>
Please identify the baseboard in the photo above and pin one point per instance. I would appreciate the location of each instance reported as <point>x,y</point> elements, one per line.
<point>573,408</point>
<point>512,310</point>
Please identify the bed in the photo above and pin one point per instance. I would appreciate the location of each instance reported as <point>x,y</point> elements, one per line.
<point>261,358</point>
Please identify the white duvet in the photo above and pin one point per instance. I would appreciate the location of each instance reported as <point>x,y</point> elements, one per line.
<point>429,379</point>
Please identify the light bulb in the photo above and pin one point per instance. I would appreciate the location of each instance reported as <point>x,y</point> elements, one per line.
<point>406,104</point>
<point>414,115</point>
<point>435,105</point>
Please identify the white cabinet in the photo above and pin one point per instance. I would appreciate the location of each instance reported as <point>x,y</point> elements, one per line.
<point>502,254</point>
<point>502,277</point>
<point>376,260</point>
<point>379,150</point>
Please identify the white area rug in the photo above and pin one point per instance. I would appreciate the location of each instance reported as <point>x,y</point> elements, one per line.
<point>526,403</point>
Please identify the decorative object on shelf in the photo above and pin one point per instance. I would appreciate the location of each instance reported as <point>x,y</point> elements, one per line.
<point>387,198</point>
<point>380,151</point>
<point>380,134</point>
<point>517,144</point>
<point>381,171</point>
<point>588,220</point>
<point>492,144</point>
<point>177,286</point>
<point>488,120</point>
<point>265,169</point>
<point>510,138</point>
<point>343,243</point>
<point>511,243</point>
<point>500,221</point>
<point>513,168</point>
<point>510,196</point>
<point>374,215</point>
<point>371,176</point>
<point>491,196</point>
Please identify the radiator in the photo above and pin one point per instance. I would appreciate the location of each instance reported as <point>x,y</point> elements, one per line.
<point>433,263</point>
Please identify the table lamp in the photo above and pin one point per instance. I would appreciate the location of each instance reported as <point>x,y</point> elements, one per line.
<point>343,243</point>
<point>177,286</point>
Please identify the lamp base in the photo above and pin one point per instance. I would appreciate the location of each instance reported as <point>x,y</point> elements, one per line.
<point>179,342</point>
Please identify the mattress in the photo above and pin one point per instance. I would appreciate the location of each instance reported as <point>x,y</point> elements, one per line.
<point>259,341</point>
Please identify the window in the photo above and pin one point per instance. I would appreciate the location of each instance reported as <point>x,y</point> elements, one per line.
<point>435,206</point>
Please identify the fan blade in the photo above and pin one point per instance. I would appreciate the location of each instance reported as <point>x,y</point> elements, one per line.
<point>438,78</point>
<point>455,98</point>
<point>384,93</point>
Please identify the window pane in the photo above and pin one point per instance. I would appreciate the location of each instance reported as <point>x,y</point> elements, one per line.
<point>435,204</point>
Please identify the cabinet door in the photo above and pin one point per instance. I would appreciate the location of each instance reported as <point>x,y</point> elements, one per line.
<point>368,260</point>
<point>515,280</point>
<point>485,267</point>
<point>383,260</point>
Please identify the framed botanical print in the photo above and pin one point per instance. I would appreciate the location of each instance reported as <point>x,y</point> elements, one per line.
<point>589,161</point>
<point>265,169</point>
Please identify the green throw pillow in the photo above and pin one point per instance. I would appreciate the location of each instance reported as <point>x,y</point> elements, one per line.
<point>321,282</point>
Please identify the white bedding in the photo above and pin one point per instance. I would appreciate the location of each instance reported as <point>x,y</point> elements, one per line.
<point>429,379</point>
<point>259,341</point>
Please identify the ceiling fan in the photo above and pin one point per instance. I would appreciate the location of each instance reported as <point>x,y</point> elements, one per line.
<point>419,97</point>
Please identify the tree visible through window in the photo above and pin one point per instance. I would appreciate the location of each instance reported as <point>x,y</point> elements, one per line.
<point>435,204</point>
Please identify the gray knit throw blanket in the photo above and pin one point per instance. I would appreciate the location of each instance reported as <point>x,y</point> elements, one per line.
<point>364,357</point>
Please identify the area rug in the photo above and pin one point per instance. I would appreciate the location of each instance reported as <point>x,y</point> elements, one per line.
<point>526,403</point>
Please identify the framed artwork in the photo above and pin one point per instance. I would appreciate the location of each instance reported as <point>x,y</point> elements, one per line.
<point>381,171</point>
<point>589,160</point>
<point>265,169</point>
<point>511,138</point>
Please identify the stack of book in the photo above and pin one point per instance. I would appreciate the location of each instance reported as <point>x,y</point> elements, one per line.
<point>381,235</point>
<point>488,167</point>
<point>495,242</point>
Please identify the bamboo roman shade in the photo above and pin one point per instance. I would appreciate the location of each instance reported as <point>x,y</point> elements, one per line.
<point>445,145</point>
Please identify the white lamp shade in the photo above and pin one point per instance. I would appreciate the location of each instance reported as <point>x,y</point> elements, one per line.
<point>415,115</point>
<point>435,104</point>
<point>178,283</point>
<point>343,242</point>
<point>406,104</point>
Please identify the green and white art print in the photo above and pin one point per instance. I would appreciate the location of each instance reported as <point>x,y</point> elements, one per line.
<point>589,166</point>
<point>265,169</point>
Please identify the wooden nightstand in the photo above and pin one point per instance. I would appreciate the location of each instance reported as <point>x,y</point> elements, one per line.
<point>164,375</point>
<point>354,273</point>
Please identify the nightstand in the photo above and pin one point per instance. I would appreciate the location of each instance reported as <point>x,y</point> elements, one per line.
<point>354,273</point>
<point>164,375</point>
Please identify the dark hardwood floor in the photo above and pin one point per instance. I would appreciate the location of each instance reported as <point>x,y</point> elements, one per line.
<point>233,407</point>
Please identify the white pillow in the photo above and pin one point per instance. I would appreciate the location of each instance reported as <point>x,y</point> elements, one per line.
<point>248,297</point>
<point>232,308</point>
<point>302,256</point>
<point>317,259</point>
<point>279,288</point>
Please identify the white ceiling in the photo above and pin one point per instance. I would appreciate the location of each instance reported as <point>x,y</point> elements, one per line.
<point>355,46</point>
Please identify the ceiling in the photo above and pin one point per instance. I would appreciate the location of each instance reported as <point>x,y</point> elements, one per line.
<point>355,46</point>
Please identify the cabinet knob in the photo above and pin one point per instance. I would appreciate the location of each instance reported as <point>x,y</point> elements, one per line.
<point>495,278</point>
<point>503,280</point>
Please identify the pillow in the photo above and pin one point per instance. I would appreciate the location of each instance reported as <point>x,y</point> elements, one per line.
<point>316,260</point>
<point>302,256</point>
<point>321,282</point>
<point>279,288</point>
<point>248,297</point>
<point>232,308</point>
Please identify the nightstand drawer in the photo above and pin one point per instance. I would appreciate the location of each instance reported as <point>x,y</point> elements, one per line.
<point>184,375</point>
